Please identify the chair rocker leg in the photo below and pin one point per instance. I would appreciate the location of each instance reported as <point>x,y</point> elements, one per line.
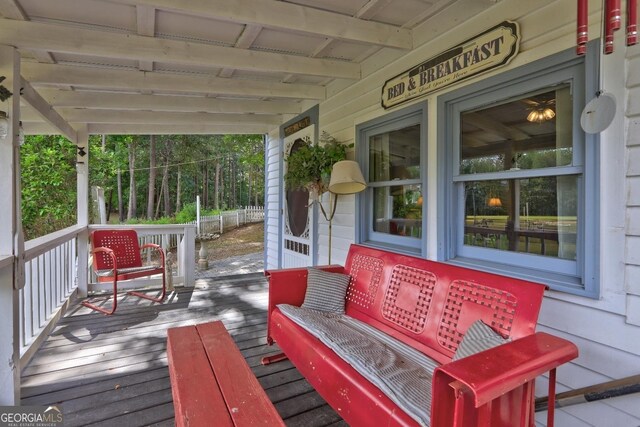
<point>145,296</point>
<point>104,310</point>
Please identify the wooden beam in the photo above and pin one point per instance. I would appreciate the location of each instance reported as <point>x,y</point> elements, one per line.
<point>287,16</point>
<point>47,112</point>
<point>190,129</point>
<point>146,26</point>
<point>127,101</point>
<point>77,115</point>
<point>101,78</point>
<point>12,10</point>
<point>67,39</point>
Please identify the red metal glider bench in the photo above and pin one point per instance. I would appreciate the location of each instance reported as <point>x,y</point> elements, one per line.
<point>429,306</point>
<point>211,382</point>
<point>117,256</point>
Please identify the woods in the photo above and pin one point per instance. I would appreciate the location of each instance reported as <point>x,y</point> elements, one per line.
<point>144,178</point>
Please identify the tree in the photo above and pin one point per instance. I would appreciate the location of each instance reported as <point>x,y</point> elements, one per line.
<point>131,213</point>
<point>152,176</point>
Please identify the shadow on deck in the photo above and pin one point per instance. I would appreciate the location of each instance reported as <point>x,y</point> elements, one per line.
<point>112,370</point>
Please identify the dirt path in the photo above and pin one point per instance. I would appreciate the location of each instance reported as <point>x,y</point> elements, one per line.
<point>240,241</point>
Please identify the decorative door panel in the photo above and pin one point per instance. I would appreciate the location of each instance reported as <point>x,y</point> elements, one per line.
<point>297,216</point>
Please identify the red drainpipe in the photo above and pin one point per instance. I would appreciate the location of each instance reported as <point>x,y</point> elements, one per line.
<point>632,22</point>
<point>583,27</point>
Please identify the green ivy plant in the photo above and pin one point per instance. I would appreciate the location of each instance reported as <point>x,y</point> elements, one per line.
<point>310,166</point>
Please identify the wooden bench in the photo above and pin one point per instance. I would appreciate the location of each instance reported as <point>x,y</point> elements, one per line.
<point>211,382</point>
<point>428,306</point>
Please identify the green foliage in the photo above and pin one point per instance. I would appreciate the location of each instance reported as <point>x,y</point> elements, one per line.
<point>48,184</point>
<point>311,164</point>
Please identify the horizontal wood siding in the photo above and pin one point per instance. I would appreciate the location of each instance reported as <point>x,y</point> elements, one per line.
<point>606,329</point>
<point>272,214</point>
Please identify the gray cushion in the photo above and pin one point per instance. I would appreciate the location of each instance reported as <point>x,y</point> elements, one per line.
<point>326,291</point>
<point>479,337</point>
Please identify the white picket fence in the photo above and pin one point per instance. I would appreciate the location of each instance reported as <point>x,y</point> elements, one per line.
<point>218,224</point>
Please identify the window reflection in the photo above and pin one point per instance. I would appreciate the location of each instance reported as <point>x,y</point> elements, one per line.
<point>395,155</point>
<point>528,133</point>
<point>394,181</point>
<point>535,215</point>
<point>398,210</point>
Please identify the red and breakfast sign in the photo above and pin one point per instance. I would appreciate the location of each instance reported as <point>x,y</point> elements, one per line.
<point>491,49</point>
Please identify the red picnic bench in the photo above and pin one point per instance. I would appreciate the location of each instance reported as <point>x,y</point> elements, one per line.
<point>460,343</point>
<point>211,382</point>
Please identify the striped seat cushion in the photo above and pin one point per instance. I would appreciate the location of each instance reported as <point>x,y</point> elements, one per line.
<point>401,372</point>
<point>325,291</point>
<point>479,337</point>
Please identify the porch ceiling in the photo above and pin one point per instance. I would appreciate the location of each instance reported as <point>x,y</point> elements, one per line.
<point>198,66</point>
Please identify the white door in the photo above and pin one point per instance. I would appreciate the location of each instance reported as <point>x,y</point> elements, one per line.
<point>297,216</point>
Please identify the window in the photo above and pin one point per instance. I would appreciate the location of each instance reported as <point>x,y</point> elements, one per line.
<point>520,175</point>
<point>391,153</point>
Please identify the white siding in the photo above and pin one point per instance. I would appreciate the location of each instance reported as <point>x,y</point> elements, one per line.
<point>272,213</point>
<point>606,330</point>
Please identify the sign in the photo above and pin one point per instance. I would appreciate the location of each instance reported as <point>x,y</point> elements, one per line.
<point>491,49</point>
<point>297,126</point>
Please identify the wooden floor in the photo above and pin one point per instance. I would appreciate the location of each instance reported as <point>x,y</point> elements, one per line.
<point>112,370</point>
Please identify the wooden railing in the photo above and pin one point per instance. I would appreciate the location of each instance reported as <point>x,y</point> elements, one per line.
<point>50,283</point>
<point>53,273</point>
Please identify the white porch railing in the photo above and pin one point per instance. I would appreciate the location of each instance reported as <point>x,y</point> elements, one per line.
<point>178,239</point>
<point>50,282</point>
<point>51,275</point>
<point>218,224</point>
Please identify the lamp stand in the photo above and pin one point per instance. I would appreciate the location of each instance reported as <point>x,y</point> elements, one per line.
<point>333,202</point>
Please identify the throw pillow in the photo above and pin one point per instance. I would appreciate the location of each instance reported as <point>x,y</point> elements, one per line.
<point>325,291</point>
<point>479,337</point>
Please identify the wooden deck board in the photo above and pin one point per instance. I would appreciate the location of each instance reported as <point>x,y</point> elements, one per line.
<point>112,370</point>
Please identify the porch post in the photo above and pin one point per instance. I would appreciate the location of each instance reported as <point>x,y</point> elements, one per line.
<point>82,204</point>
<point>11,279</point>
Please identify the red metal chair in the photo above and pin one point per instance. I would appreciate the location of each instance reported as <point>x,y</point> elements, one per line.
<point>117,256</point>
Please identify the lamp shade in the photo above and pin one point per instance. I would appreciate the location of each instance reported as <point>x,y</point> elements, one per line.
<point>346,178</point>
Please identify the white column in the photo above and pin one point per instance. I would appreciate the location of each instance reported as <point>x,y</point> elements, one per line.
<point>82,205</point>
<point>10,279</point>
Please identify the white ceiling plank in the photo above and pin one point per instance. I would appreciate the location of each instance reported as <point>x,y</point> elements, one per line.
<point>372,8</point>
<point>290,17</point>
<point>177,129</point>
<point>126,101</point>
<point>57,38</point>
<point>47,112</point>
<point>96,78</point>
<point>78,115</point>
<point>39,128</point>
<point>246,39</point>
<point>12,10</point>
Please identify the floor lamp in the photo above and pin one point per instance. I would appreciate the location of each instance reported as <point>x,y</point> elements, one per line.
<point>346,178</point>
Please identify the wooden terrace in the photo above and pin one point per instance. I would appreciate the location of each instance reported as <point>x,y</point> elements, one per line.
<point>112,370</point>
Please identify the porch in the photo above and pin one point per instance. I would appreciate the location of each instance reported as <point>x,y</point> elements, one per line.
<point>112,370</point>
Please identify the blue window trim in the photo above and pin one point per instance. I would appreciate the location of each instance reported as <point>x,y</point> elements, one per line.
<point>582,276</point>
<point>364,234</point>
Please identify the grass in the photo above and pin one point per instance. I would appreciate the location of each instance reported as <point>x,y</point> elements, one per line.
<point>239,241</point>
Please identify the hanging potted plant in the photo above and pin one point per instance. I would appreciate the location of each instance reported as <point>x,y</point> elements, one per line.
<point>310,166</point>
